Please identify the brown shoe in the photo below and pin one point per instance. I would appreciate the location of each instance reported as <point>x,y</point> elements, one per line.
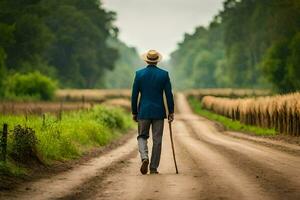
<point>144,167</point>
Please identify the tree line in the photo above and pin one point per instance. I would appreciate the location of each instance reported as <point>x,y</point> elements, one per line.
<point>123,73</point>
<point>66,40</point>
<point>249,43</point>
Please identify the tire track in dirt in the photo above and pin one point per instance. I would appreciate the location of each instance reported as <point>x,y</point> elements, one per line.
<point>100,180</point>
<point>279,145</point>
<point>286,164</point>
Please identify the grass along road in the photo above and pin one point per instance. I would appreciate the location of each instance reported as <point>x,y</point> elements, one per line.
<point>212,165</point>
<point>65,137</point>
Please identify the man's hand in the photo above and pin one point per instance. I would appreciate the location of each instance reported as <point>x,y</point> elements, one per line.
<point>171,117</point>
<point>134,117</point>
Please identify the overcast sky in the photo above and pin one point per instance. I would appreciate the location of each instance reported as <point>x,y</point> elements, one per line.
<point>160,24</point>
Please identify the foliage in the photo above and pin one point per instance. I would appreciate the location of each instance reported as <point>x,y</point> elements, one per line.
<point>123,73</point>
<point>198,59</point>
<point>111,118</point>
<point>2,71</point>
<point>246,45</point>
<point>76,133</point>
<point>9,168</point>
<point>227,122</point>
<point>281,64</point>
<point>30,86</point>
<point>64,39</point>
<point>24,144</point>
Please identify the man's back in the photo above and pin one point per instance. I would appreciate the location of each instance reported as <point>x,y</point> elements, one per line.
<point>151,82</point>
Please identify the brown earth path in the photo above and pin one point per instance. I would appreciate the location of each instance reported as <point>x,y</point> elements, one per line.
<point>212,165</point>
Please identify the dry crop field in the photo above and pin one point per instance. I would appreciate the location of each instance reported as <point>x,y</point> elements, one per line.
<point>91,95</point>
<point>69,99</point>
<point>227,92</point>
<point>41,107</point>
<point>281,112</point>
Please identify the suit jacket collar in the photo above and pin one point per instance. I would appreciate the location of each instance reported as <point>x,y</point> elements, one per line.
<point>151,65</point>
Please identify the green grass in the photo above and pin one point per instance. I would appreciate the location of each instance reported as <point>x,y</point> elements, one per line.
<point>229,123</point>
<point>11,168</point>
<point>76,133</point>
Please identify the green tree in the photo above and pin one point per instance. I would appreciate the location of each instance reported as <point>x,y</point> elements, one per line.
<point>195,61</point>
<point>5,40</point>
<point>293,62</point>
<point>129,61</point>
<point>80,52</point>
<point>64,39</point>
<point>248,44</point>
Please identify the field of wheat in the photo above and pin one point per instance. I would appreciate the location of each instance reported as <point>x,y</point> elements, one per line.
<point>91,95</point>
<point>281,112</point>
<point>227,92</point>
<point>39,108</point>
<point>67,100</point>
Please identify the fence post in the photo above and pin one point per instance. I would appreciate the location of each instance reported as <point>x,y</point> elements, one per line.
<point>44,120</point>
<point>3,143</point>
<point>60,111</point>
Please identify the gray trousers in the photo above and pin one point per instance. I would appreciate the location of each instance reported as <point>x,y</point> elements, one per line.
<point>143,134</point>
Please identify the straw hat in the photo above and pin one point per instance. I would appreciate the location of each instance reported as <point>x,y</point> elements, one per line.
<point>152,56</point>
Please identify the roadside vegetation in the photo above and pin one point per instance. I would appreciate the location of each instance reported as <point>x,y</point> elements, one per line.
<point>30,86</point>
<point>227,122</point>
<point>48,138</point>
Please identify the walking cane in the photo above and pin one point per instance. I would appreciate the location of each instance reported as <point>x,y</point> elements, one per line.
<point>173,150</point>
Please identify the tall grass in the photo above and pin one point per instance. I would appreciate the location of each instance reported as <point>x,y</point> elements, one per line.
<point>227,92</point>
<point>227,122</point>
<point>281,112</point>
<point>76,132</point>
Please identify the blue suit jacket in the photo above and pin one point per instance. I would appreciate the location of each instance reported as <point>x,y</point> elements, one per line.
<point>151,82</point>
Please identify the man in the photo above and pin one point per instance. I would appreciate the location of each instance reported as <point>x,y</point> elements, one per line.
<point>151,82</point>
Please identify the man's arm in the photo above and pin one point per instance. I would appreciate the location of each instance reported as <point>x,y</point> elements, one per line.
<point>134,98</point>
<point>170,99</point>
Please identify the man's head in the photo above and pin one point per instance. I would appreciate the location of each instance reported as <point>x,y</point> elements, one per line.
<point>152,57</point>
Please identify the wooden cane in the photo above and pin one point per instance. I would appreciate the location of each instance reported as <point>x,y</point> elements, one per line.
<point>173,149</point>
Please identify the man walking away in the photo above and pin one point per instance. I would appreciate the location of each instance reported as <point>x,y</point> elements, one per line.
<point>151,82</point>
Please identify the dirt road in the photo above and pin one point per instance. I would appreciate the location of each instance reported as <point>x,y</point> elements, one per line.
<point>212,165</point>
